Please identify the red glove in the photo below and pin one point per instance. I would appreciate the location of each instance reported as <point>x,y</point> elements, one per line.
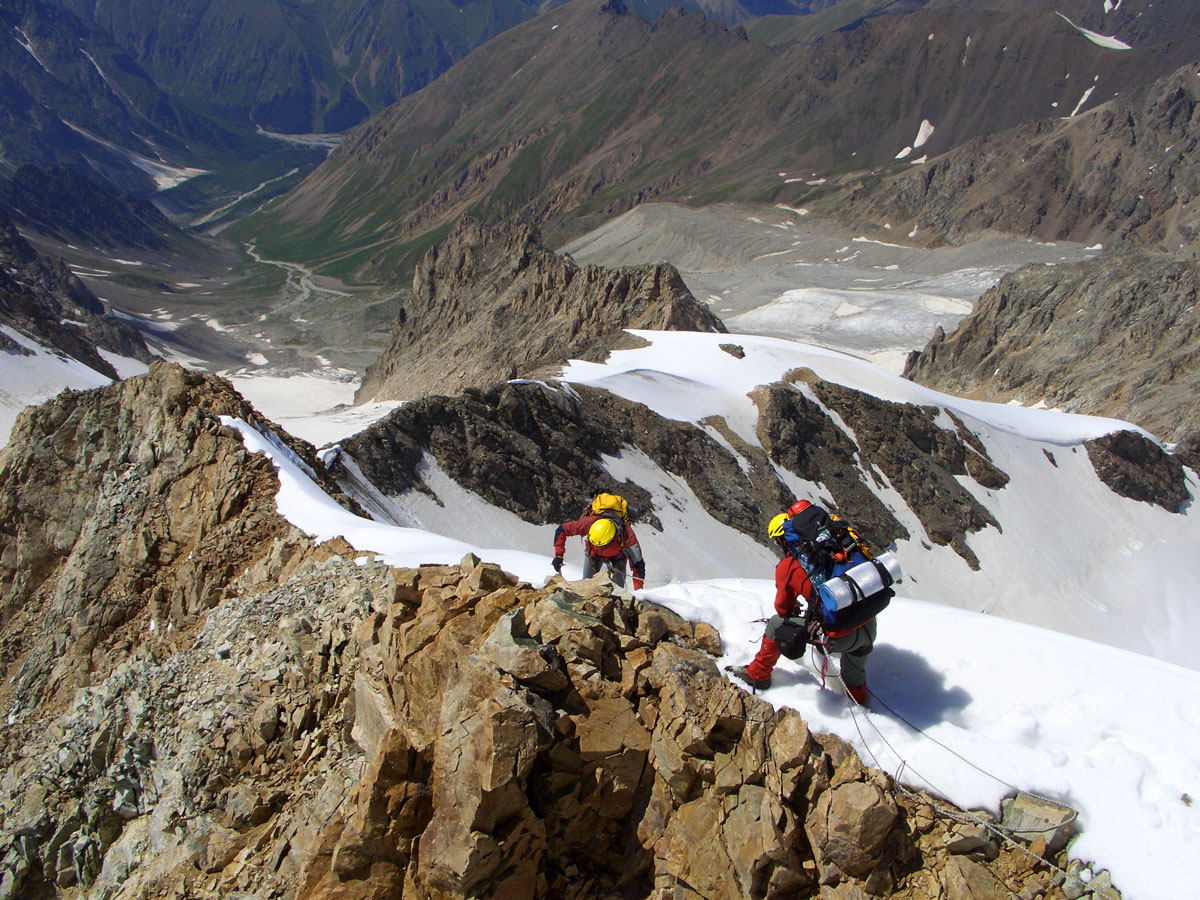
<point>638,583</point>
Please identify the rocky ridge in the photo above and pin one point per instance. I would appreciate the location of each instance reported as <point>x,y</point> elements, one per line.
<point>123,510</point>
<point>364,732</point>
<point>42,299</point>
<point>535,449</point>
<point>494,303</point>
<point>1116,336</point>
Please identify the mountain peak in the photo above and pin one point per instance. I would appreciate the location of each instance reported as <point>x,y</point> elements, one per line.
<point>492,303</point>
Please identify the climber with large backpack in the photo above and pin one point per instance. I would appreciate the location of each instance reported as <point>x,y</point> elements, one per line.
<point>825,594</point>
<point>608,540</point>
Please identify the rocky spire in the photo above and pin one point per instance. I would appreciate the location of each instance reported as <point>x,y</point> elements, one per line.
<point>491,304</point>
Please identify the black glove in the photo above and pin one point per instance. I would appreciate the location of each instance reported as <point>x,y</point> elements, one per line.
<point>557,563</point>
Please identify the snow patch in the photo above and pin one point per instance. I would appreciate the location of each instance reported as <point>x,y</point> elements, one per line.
<point>1107,41</point>
<point>165,176</point>
<point>924,132</point>
<point>1082,100</point>
<point>29,380</point>
<point>23,40</point>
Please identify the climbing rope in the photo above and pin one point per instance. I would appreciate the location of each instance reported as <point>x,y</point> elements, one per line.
<point>955,815</point>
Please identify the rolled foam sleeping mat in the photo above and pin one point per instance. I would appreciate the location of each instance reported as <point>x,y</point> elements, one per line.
<point>864,580</point>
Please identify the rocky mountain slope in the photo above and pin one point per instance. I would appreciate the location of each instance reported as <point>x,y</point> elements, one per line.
<point>1127,171</point>
<point>1116,336</point>
<point>261,716</point>
<point>123,510</point>
<point>71,96</point>
<point>571,125</point>
<point>40,298</point>
<point>69,208</point>
<point>494,303</point>
<point>314,67</point>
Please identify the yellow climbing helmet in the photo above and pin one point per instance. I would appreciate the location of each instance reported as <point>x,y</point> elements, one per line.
<point>602,532</point>
<point>775,528</point>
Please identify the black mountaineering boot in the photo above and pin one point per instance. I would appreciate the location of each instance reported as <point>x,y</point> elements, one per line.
<point>741,675</point>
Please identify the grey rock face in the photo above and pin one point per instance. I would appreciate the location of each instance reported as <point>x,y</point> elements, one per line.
<point>40,297</point>
<point>1187,451</point>
<point>493,303</point>
<point>1137,468</point>
<point>1115,336</point>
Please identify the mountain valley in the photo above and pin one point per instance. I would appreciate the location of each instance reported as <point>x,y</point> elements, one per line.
<point>317,319</point>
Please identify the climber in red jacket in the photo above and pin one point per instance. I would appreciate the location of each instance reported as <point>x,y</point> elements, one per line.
<point>792,585</point>
<point>607,541</point>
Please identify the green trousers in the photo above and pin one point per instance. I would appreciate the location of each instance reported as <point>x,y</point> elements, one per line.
<point>854,649</point>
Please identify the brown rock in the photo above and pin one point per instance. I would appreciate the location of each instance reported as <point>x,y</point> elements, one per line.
<point>489,304</point>
<point>848,826</point>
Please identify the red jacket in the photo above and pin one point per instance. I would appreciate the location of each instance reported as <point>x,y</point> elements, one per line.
<point>791,584</point>
<point>626,543</point>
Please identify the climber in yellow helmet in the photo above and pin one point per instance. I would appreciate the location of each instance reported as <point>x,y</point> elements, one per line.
<point>608,540</point>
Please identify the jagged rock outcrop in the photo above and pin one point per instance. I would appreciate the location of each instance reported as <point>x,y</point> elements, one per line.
<point>448,732</point>
<point>918,458</point>
<point>122,509</point>
<point>536,450</point>
<point>1115,336</point>
<point>1136,467</point>
<point>493,303</point>
<point>41,298</point>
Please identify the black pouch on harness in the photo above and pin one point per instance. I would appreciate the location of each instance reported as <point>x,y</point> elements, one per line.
<point>792,638</point>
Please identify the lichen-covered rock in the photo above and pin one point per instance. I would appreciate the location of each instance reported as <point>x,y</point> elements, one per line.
<point>126,509</point>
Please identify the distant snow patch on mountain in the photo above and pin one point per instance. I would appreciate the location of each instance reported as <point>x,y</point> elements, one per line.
<point>1082,100</point>
<point>23,40</point>
<point>1100,40</point>
<point>165,176</point>
<point>924,132</point>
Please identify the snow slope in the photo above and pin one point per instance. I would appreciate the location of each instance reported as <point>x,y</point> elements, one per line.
<point>999,705</point>
<point>1073,555</point>
<point>27,380</point>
